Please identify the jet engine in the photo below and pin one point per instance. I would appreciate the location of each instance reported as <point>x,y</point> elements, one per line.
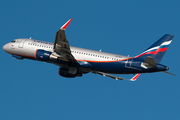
<point>71,72</point>
<point>44,55</point>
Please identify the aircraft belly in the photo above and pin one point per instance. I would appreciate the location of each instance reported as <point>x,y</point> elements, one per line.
<point>113,67</point>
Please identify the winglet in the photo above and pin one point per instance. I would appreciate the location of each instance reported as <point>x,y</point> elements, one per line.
<point>66,24</point>
<point>135,77</point>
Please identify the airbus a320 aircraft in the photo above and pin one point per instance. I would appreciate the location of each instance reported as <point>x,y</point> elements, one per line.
<point>74,62</point>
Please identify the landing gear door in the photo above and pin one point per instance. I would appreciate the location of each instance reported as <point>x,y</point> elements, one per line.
<point>21,43</point>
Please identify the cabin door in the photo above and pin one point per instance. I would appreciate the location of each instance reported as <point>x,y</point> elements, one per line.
<point>21,43</point>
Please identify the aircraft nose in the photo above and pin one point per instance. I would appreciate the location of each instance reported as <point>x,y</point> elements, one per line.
<point>5,47</point>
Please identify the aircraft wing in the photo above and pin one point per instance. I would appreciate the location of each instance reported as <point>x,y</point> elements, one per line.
<point>115,77</point>
<point>61,45</point>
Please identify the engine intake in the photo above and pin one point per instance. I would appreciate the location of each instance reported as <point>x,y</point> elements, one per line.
<point>71,72</point>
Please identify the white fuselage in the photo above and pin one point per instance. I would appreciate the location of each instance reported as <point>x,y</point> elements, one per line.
<point>27,48</point>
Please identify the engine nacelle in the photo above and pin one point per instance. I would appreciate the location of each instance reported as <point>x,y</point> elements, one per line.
<point>44,55</point>
<point>71,72</point>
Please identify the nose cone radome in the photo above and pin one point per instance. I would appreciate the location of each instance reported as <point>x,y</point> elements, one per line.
<point>5,47</point>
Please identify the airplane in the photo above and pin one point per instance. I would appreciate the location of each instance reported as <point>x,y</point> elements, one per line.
<point>74,61</point>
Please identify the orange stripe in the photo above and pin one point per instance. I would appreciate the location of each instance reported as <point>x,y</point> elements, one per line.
<point>97,61</point>
<point>23,55</point>
<point>126,59</point>
<point>35,54</point>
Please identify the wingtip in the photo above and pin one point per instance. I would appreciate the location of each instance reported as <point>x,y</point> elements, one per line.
<point>66,24</point>
<point>135,77</point>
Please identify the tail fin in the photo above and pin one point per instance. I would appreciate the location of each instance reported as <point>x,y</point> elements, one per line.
<point>158,49</point>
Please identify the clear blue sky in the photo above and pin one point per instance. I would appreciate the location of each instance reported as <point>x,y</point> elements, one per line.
<point>31,90</point>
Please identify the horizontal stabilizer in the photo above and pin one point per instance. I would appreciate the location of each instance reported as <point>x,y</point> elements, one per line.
<point>169,73</point>
<point>149,63</point>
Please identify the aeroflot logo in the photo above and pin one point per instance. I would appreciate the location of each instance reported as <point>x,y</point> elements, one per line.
<point>37,41</point>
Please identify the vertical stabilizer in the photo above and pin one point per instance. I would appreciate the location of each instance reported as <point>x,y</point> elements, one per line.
<point>158,49</point>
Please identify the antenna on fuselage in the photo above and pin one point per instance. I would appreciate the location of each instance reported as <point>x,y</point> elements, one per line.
<point>30,37</point>
<point>100,50</point>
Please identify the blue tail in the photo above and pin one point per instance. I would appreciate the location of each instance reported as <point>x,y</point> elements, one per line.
<point>158,49</point>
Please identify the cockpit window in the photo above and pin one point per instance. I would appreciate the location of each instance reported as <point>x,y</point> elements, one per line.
<point>13,41</point>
